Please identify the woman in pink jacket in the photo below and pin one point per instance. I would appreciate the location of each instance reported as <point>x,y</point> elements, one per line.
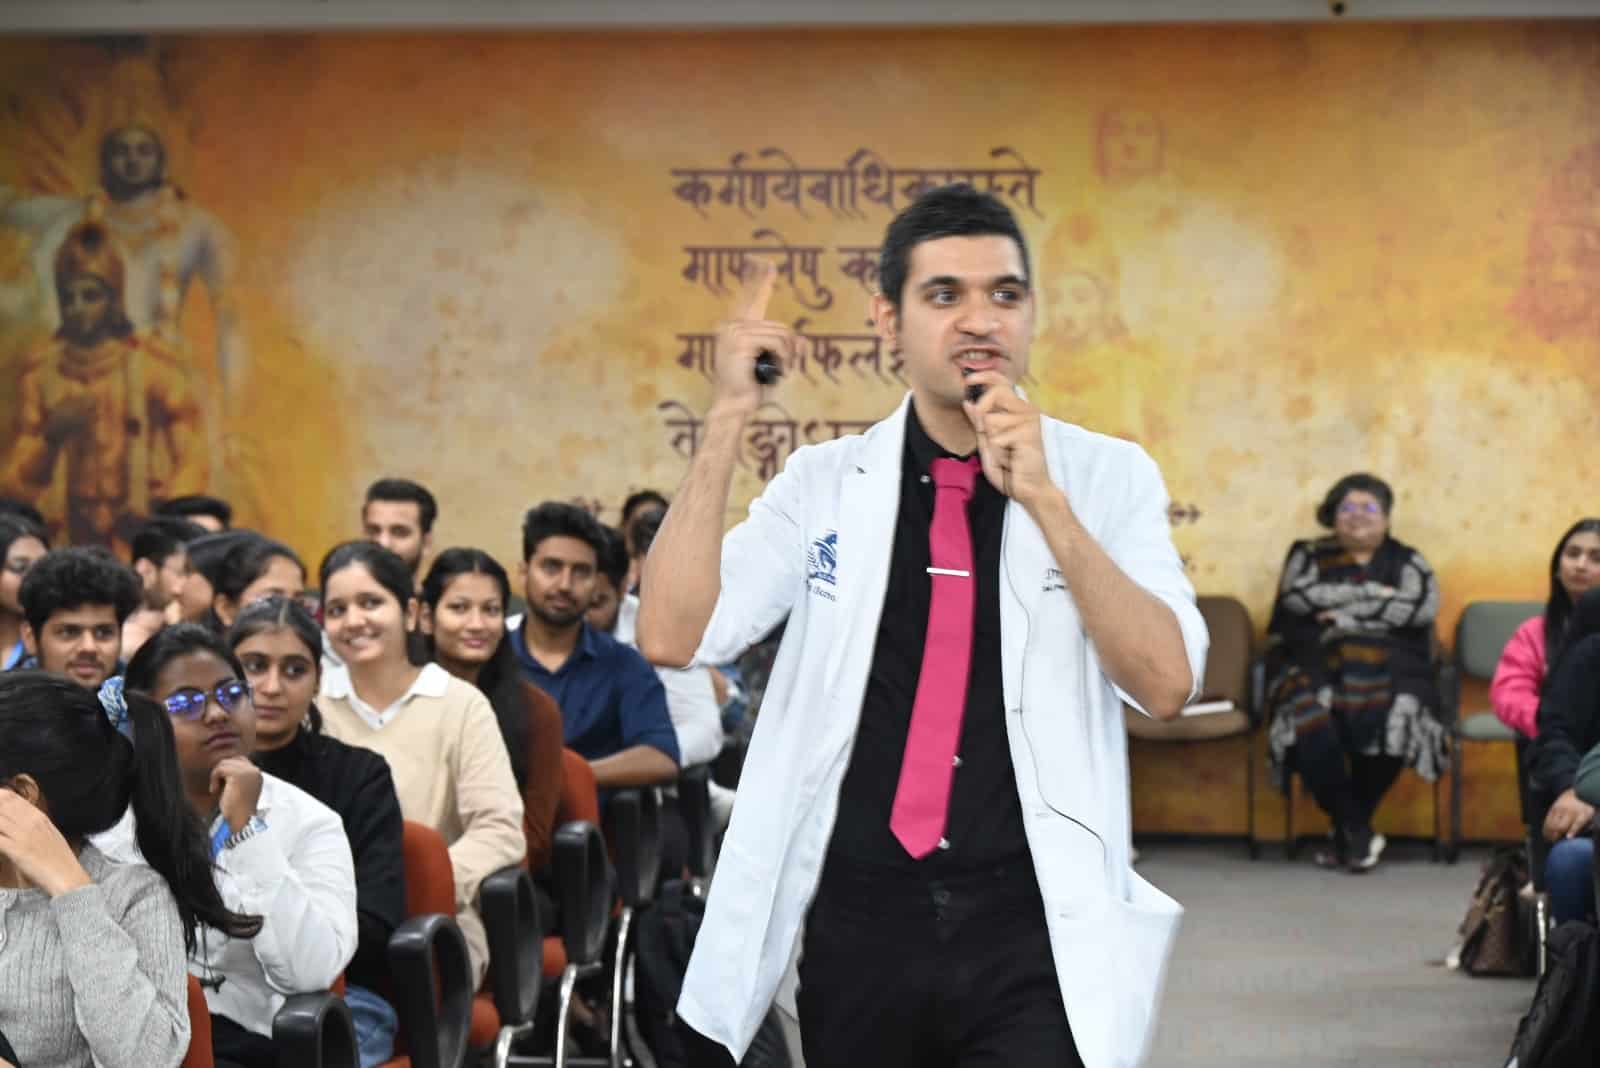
<point>1519,677</point>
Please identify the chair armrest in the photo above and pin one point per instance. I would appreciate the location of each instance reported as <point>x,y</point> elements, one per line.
<point>694,803</point>
<point>433,982</point>
<point>314,1031</point>
<point>633,829</point>
<point>583,887</point>
<point>516,957</point>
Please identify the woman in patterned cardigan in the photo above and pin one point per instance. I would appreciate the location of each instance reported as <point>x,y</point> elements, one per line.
<point>1351,689</point>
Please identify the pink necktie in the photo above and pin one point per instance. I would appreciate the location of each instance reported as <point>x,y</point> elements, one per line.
<point>922,798</point>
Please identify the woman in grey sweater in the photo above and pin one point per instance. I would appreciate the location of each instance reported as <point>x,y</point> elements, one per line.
<point>93,954</point>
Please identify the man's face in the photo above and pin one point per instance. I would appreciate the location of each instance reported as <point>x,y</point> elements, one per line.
<point>559,580</point>
<point>397,526</point>
<point>606,604</point>
<point>133,162</point>
<point>86,305</point>
<point>82,643</point>
<point>966,304</point>
<point>164,584</point>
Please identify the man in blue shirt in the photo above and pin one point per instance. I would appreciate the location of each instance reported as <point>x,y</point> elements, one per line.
<point>612,704</point>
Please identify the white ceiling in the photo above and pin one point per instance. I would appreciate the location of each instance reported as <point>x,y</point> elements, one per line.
<point>58,16</point>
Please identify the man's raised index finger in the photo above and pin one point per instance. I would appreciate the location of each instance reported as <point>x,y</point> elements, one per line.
<point>755,290</point>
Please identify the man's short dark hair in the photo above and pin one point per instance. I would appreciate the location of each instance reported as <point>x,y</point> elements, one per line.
<point>949,211</point>
<point>162,536</point>
<point>65,579</point>
<point>643,530</point>
<point>198,504</point>
<point>559,519</point>
<point>613,559</point>
<point>12,506</point>
<point>404,490</point>
<point>639,499</point>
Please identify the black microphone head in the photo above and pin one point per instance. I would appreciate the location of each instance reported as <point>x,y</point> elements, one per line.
<point>768,370</point>
<point>974,390</point>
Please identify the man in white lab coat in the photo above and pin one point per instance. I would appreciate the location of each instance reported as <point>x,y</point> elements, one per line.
<point>937,788</point>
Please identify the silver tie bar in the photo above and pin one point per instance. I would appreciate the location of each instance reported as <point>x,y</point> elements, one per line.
<point>949,571</point>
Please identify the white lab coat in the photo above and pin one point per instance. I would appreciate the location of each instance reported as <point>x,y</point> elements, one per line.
<point>816,549</point>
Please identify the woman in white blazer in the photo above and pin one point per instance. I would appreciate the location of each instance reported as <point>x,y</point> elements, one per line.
<point>1081,605</point>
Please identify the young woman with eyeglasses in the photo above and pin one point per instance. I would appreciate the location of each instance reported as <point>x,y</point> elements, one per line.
<point>278,852</point>
<point>280,647</point>
<point>96,949</point>
<point>1351,691</point>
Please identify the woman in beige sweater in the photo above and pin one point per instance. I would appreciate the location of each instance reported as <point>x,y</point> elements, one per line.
<point>438,733</point>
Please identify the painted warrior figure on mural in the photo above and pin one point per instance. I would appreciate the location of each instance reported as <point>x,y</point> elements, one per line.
<point>167,241</point>
<point>108,403</point>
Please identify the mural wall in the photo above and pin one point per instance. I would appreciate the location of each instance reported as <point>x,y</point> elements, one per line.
<point>1271,254</point>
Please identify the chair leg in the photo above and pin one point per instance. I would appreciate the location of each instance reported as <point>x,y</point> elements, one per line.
<point>1439,827</point>
<point>569,982</point>
<point>1541,906</point>
<point>1250,794</point>
<point>624,929</point>
<point>1457,757</point>
<point>1291,847</point>
<point>642,1057</point>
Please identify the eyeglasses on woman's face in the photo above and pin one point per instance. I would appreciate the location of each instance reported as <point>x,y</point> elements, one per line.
<point>190,703</point>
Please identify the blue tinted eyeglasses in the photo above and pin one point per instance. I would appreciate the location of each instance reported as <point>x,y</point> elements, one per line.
<point>1359,508</point>
<point>191,703</point>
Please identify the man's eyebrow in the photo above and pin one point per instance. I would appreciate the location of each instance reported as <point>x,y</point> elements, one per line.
<point>944,280</point>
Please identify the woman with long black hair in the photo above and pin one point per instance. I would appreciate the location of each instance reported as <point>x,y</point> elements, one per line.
<point>106,943</point>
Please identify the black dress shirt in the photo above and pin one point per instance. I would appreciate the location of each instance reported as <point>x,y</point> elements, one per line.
<point>984,827</point>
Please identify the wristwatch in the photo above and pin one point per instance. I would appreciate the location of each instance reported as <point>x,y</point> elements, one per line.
<point>254,827</point>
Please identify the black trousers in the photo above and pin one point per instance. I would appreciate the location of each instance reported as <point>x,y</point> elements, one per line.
<point>917,973</point>
<point>1347,786</point>
<point>7,1052</point>
<point>235,1047</point>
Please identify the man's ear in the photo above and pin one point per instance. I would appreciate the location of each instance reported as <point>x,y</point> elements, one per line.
<point>223,606</point>
<point>30,640</point>
<point>886,320</point>
<point>425,620</point>
<point>413,613</point>
<point>147,572</point>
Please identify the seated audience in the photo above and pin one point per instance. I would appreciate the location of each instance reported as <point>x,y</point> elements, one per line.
<point>464,619</point>
<point>613,707</point>
<point>1351,691</point>
<point>399,514</point>
<point>1520,674</point>
<point>207,555</point>
<point>276,851</point>
<point>21,546</point>
<point>211,514</point>
<point>280,647</point>
<point>74,603</point>
<point>691,694</point>
<point>439,734</point>
<point>254,569</point>
<point>161,560</point>
<point>645,500</point>
<point>96,949</point>
<point>1568,728</point>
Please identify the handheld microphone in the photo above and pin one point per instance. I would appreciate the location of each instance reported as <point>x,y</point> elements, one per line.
<point>974,390</point>
<point>768,370</point>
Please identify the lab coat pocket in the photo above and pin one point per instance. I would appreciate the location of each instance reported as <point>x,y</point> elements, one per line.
<point>1146,925</point>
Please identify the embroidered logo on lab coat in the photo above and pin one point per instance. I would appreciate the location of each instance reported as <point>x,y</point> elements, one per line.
<point>1053,580</point>
<point>821,561</point>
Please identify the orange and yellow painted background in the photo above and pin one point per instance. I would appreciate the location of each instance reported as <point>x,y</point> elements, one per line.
<point>1272,254</point>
